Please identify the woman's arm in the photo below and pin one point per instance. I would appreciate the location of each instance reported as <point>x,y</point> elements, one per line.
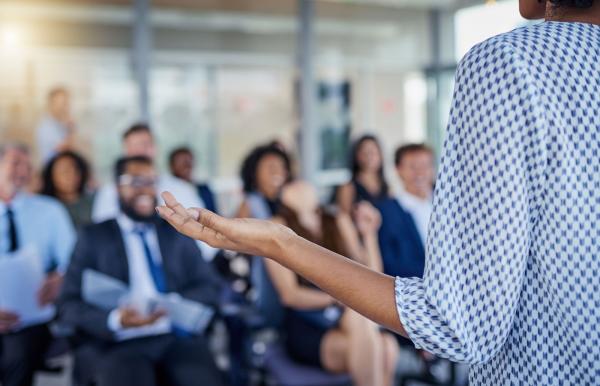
<point>345,197</point>
<point>243,210</point>
<point>291,293</point>
<point>372,253</point>
<point>368,292</point>
<point>365,251</point>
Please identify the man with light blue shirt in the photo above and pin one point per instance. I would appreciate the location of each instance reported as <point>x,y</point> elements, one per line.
<point>41,226</point>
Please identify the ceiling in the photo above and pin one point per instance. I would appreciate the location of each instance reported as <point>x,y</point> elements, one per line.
<point>275,6</point>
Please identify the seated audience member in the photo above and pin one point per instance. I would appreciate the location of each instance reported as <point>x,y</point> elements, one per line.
<point>139,141</point>
<point>368,181</point>
<point>125,346</point>
<point>405,218</point>
<point>40,225</point>
<point>56,130</point>
<point>66,178</point>
<point>181,163</point>
<point>264,172</point>
<point>319,331</point>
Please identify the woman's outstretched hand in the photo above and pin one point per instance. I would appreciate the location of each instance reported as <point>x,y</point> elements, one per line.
<point>336,275</point>
<point>254,237</point>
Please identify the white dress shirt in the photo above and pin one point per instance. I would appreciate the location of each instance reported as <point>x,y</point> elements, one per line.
<point>141,284</point>
<point>106,203</point>
<point>419,209</point>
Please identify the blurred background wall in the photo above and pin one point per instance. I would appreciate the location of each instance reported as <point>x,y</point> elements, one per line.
<point>223,76</point>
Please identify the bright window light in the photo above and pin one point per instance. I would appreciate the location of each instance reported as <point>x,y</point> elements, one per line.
<point>478,23</point>
<point>11,36</point>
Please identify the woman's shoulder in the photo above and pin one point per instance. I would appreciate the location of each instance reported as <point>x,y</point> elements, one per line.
<point>523,42</point>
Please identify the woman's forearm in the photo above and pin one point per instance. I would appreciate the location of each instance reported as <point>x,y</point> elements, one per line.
<point>360,288</point>
<point>307,299</point>
<point>372,254</point>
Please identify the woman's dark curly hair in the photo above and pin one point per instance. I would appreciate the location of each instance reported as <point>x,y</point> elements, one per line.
<point>355,165</point>
<point>49,188</point>
<point>250,164</point>
<point>572,3</point>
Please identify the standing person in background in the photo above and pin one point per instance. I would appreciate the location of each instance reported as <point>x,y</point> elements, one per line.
<point>368,180</point>
<point>56,130</point>
<point>66,178</point>
<point>264,172</point>
<point>181,163</point>
<point>139,141</point>
<point>318,331</point>
<point>405,218</point>
<point>39,224</point>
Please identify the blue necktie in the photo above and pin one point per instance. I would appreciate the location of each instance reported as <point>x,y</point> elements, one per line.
<point>158,275</point>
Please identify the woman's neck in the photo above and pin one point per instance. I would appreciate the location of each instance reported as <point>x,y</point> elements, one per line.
<point>581,15</point>
<point>370,180</point>
<point>68,197</point>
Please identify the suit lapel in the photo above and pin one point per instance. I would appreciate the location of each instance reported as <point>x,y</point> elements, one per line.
<point>411,228</point>
<point>120,255</point>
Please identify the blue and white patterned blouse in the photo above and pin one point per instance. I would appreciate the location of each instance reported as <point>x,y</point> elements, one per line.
<point>512,277</point>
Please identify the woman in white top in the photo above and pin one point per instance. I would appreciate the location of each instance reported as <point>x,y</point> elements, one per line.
<point>511,281</point>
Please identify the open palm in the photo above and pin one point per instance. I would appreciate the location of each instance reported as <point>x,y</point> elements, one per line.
<point>254,237</point>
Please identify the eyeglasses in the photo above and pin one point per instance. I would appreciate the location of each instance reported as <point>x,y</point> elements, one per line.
<point>137,181</point>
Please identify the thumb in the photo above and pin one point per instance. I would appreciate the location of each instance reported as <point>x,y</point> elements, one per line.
<point>210,220</point>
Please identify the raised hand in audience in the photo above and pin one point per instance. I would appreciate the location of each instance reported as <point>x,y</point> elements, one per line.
<point>366,218</point>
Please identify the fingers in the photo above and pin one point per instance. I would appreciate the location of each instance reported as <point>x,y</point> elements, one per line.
<point>8,317</point>
<point>131,318</point>
<point>212,220</point>
<point>8,320</point>
<point>171,216</point>
<point>173,204</point>
<point>179,216</point>
<point>190,227</point>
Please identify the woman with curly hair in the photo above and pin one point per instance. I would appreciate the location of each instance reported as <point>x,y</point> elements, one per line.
<point>511,276</point>
<point>65,177</point>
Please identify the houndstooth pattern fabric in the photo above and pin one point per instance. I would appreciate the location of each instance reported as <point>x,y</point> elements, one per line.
<point>512,276</point>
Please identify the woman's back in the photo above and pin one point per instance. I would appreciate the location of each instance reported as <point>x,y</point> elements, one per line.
<point>513,241</point>
<point>562,279</point>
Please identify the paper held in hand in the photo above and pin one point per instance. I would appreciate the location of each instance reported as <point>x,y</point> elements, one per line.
<point>21,277</point>
<point>107,293</point>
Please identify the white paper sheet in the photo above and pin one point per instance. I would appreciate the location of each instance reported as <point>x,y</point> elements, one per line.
<point>21,277</point>
<point>108,293</point>
<point>188,315</point>
<point>101,290</point>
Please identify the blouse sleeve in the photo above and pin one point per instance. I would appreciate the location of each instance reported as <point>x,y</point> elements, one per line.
<point>484,208</point>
